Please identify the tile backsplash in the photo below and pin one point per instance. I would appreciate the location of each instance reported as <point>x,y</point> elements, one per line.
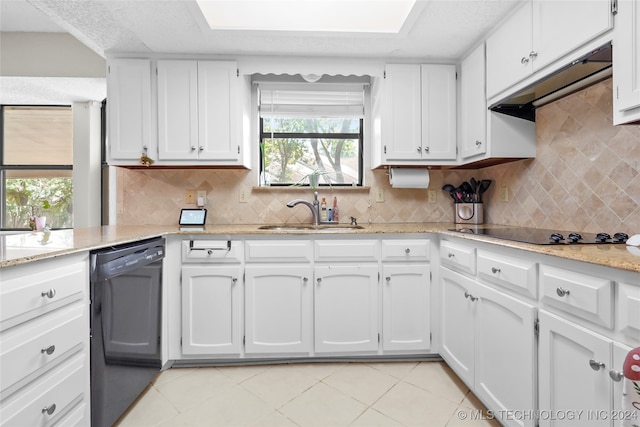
<point>586,177</point>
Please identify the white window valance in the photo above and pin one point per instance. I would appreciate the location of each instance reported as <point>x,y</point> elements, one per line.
<point>308,100</point>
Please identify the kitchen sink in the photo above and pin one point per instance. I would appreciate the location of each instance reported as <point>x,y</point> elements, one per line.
<point>309,227</point>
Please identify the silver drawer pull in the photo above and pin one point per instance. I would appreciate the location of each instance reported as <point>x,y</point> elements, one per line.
<point>524,60</point>
<point>49,294</point>
<point>451,255</point>
<point>471,297</point>
<point>49,410</point>
<point>495,270</point>
<point>388,278</point>
<point>595,365</point>
<point>562,292</point>
<point>201,148</point>
<point>305,280</point>
<point>234,280</point>
<point>617,376</point>
<point>210,250</point>
<point>407,251</point>
<point>49,350</point>
<point>319,280</point>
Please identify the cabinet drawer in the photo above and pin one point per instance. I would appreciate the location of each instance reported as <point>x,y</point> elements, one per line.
<point>214,251</point>
<point>460,257</point>
<point>279,251</point>
<point>24,296</point>
<point>42,341</point>
<point>588,297</point>
<point>406,250</point>
<point>513,273</point>
<point>347,250</point>
<point>63,387</point>
<point>629,310</point>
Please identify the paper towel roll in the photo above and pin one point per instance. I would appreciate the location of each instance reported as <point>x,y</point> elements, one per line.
<point>409,178</point>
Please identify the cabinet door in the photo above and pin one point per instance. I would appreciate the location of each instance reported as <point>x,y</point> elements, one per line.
<point>626,62</point>
<point>505,354</point>
<point>218,112</point>
<point>508,51</point>
<point>178,110</point>
<point>438,112</point>
<point>458,305</point>
<point>129,105</point>
<point>473,140</point>
<point>557,32</point>
<point>211,310</point>
<point>567,381</point>
<point>406,307</point>
<point>346,308</point>
<point>278,308</point>
<point>402,117</point>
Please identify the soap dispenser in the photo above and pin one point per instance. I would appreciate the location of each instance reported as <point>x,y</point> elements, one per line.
<point>323,209</point>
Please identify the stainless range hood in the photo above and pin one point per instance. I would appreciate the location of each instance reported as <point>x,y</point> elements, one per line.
<point>580,73</point>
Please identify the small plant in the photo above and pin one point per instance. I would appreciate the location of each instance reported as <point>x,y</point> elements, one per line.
<point>37,211</point>
<point>314,178</point>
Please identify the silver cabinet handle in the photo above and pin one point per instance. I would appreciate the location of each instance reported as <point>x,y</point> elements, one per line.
<point>319,280</point>
<point>234,280</point>
<point>419,149</point>
<point>49,294</point>
<point>49,410</point>
<point>524,60</point>
<point>407,251</point>
<point>495,270</point>
<point>388,278</point>
<point>49,350</point>
<point>617,376</point>
<point>193,148</point>
<point>471,297</point>
<point>451,255</point>
<point>478,143</point>
<point>305,280</point>
<point>562,292</point>
<point>533,54</point>
<point>426,149</point>
<point>595,365</point>
<point>201,148</point>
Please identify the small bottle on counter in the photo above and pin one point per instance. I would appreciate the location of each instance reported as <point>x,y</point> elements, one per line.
<point>336,218</point>
<point>323,210</point>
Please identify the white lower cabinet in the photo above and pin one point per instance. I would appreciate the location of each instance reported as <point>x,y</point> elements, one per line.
<point>488,339</point>
<point>278,308</point>
<point>211,309</point>
<point>406,296</point>
<point>346,308</point>
<point>577,371</point>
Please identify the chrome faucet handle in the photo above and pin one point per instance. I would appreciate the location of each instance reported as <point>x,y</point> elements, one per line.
<point>353,220</point>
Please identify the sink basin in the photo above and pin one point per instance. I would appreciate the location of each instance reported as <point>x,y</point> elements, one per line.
<point>311,228</point>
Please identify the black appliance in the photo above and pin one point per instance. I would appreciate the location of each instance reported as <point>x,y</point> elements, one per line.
<point>579,74</point>
<point>125,320</point>
<point>540,236</point>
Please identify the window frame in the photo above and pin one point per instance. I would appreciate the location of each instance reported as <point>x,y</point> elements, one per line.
<point>4,168</point>
<point>292,135</point>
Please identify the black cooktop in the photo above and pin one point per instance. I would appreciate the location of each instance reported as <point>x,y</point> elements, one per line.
<point>540,236</point>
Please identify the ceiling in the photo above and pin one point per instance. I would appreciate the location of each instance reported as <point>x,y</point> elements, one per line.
<point>441,30</point>
<point>436,30</point>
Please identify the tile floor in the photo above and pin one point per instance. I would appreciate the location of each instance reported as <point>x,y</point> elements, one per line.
<point>309,394</point>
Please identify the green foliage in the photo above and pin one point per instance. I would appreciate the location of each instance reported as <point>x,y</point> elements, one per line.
<point>50,197</point>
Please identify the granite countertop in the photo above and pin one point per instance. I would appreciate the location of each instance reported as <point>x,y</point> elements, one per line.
<point>31,246</point>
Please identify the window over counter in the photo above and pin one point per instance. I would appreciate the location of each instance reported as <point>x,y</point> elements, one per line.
<point>311,133</point>
<point>36,166</point>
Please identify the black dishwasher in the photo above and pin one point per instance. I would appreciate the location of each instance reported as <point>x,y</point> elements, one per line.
<point>125,319</point>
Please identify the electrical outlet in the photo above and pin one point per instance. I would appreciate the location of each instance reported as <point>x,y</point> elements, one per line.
<point>432,196</point>
<point>201,200</point>
<point>242,196</point>
<point>504,193</point>
<point>379,195</point>
<point>190,197</point>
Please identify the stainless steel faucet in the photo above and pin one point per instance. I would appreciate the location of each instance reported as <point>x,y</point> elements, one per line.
<point>315,207</point>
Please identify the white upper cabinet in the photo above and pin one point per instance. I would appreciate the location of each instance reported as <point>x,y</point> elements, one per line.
<point>129,133</point>
<point>539,33</point>
<point>473,108</point>
<point>418,115</point>
<point>199,113</point>
<point>626,63</point>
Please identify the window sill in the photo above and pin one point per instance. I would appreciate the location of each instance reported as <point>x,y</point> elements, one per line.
<point>299,189</point>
